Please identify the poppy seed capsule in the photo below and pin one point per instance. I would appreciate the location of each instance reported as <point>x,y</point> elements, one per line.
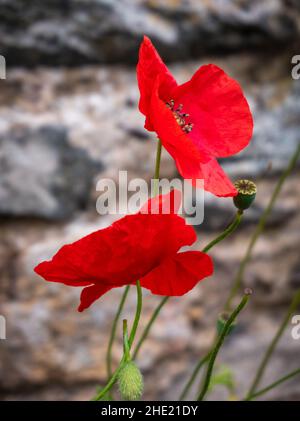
<point>246,194</point>
<point>130,382</point>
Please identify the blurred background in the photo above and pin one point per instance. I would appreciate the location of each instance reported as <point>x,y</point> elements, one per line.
<point>68,116</point>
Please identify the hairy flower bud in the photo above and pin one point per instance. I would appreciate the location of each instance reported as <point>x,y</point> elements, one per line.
<point>130,382</point>
<point>246,194</point>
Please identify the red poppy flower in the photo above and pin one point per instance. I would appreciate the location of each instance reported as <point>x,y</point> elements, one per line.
<point>206,118</point>
<point>141,247</point>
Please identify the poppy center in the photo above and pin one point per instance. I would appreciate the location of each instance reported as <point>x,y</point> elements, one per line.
<point>180,116</point>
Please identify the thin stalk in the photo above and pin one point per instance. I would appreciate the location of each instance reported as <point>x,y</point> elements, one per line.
<point>218,345</point>
<point>114,377</point>
<point>114,331</point>
<point>126,347</point>
<point>272,385</point>
<point>157,167</point>
<point>260,227</point>
<point>137,313</point>
<point>125,294</point>
<point>232,227</point>
<point>261,369</point>
<point>149,325</point>
<point>110,383</point>
<point>193,377</point>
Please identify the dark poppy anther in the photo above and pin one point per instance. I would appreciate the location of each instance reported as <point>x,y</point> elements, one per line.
<point>180,116</point>
<point>187,128</point>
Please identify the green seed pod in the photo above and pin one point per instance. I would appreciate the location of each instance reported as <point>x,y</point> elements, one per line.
<point>130,382</point>
<point>222,319</point>
<point>246,194</point>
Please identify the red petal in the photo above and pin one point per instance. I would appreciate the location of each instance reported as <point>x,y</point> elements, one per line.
<point>164,203</point>
<point>150,65</point>
<point>222,118</point>
<point>173,138</point>
<point>214,178</point>
<point>120,254</point>
<point>178,274</point>
<point>61,272</point>
<point>91,294</point>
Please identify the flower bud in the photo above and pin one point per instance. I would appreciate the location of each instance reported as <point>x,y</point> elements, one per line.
<point>222,319</point>
<point>246,194</point>
<point>130,382</point>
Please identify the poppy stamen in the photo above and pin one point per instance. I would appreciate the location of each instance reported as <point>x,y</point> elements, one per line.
<point>180,116</point>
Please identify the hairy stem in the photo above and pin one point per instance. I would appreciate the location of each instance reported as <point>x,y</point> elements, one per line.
<point>137,313</point>
<point>125,294</point>
<point>260,227</point>
<point>261,369</point>
<point>149,325</point>
<point>114,331</point>
<point>272,385</point>
<point>232,227</point>
<point>193,377</point>
<point>114,377</point>
<point>229,230</point>
<point>218,345</point>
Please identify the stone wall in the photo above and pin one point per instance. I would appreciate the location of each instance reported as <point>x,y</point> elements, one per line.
<point>63,128</point>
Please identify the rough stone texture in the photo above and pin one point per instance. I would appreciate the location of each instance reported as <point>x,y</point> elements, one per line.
<point>80,31</point>
<point>45,358</point>
<point>53,352</point>
<point>42,175</point>
<point>89,115</point>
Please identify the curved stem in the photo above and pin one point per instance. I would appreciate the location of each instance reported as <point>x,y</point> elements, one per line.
<point>293,306</point>
<point>260,227</point>
<point>232,227</point>
<point>149,325</point>
<point>137,313</point>
<point>193,377</point>
<point>113,332</point>
<point>124,296</point>
<point>157,310</point>
<point>219,343</point>
<point>110,383</point>
<point>272,385</point>
<point>114,377</point>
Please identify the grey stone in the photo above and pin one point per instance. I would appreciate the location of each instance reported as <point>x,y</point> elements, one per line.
<point>80,31</point>
<point>42,175</point>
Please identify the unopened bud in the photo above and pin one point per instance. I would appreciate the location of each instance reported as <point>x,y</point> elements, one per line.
<point>130,382</point>
<point>222,319</point>
<point>246,194</point>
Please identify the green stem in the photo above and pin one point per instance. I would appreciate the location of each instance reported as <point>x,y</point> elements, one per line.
<point>261,369</point>
<point>137,313</point>
<point>125,294</point>
<point>157,310</point>
<point>110,383</point>
<point>272,385</point>
<point>260,227</point>
<point>219,343</point>
<point>157,167</point>
<point>232,227</point>
<point>114,377</point>
<point>126,347</point>
<point>149,325</point>
<point>113,332</point>
<point>193,377</point>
